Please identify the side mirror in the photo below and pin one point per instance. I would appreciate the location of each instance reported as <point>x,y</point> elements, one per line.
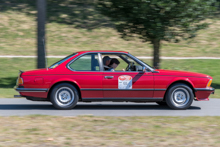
<point>144,69</point>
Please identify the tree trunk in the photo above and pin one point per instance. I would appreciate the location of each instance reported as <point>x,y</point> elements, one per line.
<point>41,20</point>
<point>156,59</point>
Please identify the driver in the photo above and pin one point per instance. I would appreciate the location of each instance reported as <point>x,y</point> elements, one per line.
<point>113,64</point>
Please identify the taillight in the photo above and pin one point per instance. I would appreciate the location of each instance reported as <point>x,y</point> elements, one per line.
<point>20,81</point>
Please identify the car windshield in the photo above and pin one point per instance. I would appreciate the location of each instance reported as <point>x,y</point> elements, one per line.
<point>61,61</point>
<point>146,63</point>
<point>150,67</point>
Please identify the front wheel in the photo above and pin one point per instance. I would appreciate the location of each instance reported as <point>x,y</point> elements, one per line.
<point>64,96</point>
<point>179,96</point>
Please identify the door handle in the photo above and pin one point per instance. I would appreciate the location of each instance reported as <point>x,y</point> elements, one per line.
<point>109,77</point>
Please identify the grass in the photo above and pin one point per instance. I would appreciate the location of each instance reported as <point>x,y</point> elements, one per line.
<point>109,131</point>
<point>10,67</point>
<point>18,37</point>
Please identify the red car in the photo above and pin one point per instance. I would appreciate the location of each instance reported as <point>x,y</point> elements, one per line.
<point>84,77</point>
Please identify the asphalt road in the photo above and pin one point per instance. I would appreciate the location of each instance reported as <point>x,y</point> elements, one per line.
<point>21,107</point>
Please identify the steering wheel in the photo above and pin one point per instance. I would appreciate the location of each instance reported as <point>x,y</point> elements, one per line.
<point>128,68</point>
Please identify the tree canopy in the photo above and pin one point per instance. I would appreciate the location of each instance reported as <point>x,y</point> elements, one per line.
<point>156,20</point>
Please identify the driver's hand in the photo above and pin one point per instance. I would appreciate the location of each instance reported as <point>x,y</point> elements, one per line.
<point>123,69</point>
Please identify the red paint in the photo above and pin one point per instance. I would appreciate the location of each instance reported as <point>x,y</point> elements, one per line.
<point>39,80</point>
<point>139,81</point>
<point>46,78</point>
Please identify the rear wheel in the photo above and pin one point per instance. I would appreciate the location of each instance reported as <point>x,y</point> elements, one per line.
<point>179,96</point>
<point>64,96</point>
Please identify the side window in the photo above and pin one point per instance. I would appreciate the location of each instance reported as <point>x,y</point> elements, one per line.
<point>125,63</point>
<point>87,62</point>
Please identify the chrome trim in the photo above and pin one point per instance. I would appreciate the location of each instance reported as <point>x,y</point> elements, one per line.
<point>90,89</point>
<point>97,89</point>
<point>160,89</point>
<point>126,71</point>
<point>147,99</point>
<point>109,77</point>
<point>31,90</point>
<point>204,89</point>
<point>128,89</point>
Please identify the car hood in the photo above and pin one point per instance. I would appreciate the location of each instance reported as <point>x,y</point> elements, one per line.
<point>182,73</point>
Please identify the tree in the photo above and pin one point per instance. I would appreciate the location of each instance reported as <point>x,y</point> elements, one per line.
<point>157,20</point>
<point>41,51</point>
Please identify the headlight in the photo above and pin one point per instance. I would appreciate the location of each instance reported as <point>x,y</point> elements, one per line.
<point>209,83</point>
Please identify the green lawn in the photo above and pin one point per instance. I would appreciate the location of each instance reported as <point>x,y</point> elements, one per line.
<point>10,67</point>
<point>18,37</point>
<point>94,131</point>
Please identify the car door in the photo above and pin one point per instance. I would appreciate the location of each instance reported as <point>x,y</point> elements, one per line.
<point>86,73</point>
<point>127,85</point>
<point>140,88</point>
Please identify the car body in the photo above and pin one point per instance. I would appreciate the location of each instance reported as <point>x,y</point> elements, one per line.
<point>81,77</point>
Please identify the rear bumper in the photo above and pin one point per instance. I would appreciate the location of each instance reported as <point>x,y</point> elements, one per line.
<point>202,94</point>
<point>31,90</point>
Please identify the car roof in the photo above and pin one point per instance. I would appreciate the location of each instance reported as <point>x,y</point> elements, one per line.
<point>101,51</point>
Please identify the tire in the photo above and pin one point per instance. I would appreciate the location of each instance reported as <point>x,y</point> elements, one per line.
<point>179,97</point>
<point>64,96</point>
<point>162,103</point>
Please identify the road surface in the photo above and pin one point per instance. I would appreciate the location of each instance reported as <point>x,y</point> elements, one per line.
<point>21,107</point>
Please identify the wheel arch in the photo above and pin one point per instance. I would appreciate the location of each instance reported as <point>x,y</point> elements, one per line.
<point>66,81</point>
<point>188,83</point>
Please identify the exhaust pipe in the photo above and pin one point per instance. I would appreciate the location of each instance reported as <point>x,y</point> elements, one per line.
<point>17,96</point>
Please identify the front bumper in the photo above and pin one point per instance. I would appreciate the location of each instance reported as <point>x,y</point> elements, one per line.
<point>212,90</point>
<point>202,94</point>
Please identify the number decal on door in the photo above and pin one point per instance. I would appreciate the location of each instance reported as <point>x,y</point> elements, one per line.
<point>124,82</point>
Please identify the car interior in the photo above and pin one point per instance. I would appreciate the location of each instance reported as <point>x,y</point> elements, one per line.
<point>126,63</point>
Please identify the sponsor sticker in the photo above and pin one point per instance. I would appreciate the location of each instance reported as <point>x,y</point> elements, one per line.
<point>124,82</point>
